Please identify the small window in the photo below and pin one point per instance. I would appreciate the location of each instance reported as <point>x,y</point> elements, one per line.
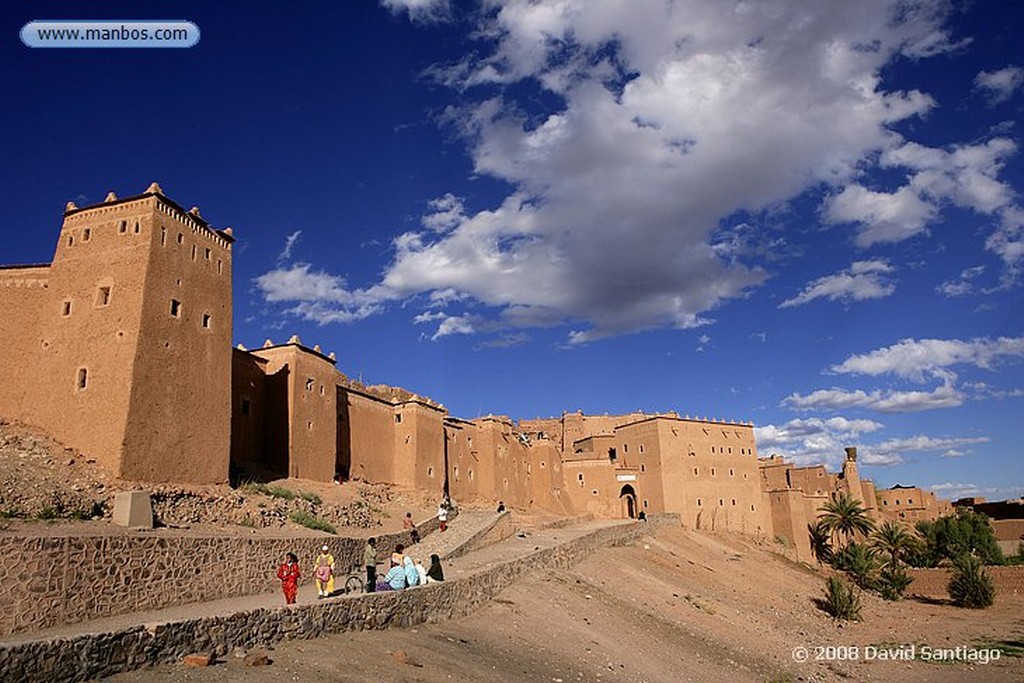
<point>175,308</point>
<point>398,418</point>
<point>712,471</point>
<point>207,253</point>
<point>321,389</point>
<point>66,307</point>
<point>712,449</point>
<point>220,266</point>
<point>193,252</point>
<point>123,227</point>
<point>181,238</point>
<point>163,236</point>
<point>207,321</point>
<point>645,503</point>
<point>593,492</point>
<point>71,240</point>
<point>309,425</point>
<point>625,448</point>
<point>699,502</point>
<point>86,235</point>
<point>730,472</point>
<point>641,448</point>
<point>580,476</point>
<point>470,474</point>
<point>642,468</point>
<point>734,502</point>
<point>696,471</point>
<point>721,502</point>
<point>309,384</point>
<point>751,508</point>
<point>137,227</point>
<point>246,406</point>
<point>103,296</point>
<point>83,378</point>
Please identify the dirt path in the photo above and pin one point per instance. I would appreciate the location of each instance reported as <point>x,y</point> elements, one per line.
<point>677,606</point>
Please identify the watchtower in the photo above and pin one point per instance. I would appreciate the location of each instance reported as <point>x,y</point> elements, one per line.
<point>132,359</point>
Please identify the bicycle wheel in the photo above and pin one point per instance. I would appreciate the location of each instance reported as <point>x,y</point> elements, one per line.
<point>354,584</point>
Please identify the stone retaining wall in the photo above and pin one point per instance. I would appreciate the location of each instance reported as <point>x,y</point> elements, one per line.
<point>50,581</point>
<point>502,528</point>
<point>932,583</point>
<point>91,656</point>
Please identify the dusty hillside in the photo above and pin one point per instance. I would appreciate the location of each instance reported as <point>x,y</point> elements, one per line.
<point>41,481</point>
<point>676,607</point>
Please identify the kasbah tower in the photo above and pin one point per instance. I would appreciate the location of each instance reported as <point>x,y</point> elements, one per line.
<point>121,348</point>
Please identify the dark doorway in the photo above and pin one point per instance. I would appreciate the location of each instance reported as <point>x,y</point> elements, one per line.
<point>627,498</point>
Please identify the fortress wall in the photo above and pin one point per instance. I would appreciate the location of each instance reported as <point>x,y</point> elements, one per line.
<point>97,655</point>
<point>24,298</point>
<point>248,410</point>
<point>179,420</point>
<point>419,446</point>
<point>592,488</point>
<point>371,430</point>
<point>790,520</point>
<point>933,583</point>
<point>547,484</point>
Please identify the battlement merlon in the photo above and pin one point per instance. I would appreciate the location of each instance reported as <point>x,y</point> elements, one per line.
<point>189,217</point>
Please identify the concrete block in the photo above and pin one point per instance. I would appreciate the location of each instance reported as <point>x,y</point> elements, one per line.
<point>133,509</point>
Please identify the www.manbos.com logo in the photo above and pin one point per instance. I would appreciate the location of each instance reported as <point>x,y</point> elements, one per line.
<point>92,34</point>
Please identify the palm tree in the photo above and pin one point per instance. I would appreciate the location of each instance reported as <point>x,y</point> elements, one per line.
<point>895,541</point>
<point>820,539</point>
<point>845,515</point>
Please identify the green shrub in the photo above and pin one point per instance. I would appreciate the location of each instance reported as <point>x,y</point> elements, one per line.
<point>893,582</point>
<point>48,513</point>
<point>310,497</point>
<point>311,522</point>
<point>254,488</point>
<point>842,600</point>
<point>970,586</point>
<point>860,561</point>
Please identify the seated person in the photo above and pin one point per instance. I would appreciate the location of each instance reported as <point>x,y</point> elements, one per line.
<point>394,580</point>
<point>412,577</point>
<point>435,573</point>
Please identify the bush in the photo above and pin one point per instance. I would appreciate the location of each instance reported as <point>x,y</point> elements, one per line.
<point>311,522</point>
<point>254,488</point>
<point>893,582</point>
<point>970,586</point>
<point>860,561</point>
<point>951,536</point>
<point>842,600</point>
<point>310,497</point>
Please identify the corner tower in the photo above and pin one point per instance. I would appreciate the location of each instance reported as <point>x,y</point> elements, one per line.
<point>134,364</point>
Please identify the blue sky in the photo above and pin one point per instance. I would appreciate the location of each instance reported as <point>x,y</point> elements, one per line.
<point>802,214</point>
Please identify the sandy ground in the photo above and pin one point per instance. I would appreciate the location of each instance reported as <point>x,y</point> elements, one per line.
<point>676,606</point>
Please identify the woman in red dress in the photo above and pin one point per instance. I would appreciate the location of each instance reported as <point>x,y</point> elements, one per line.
<point>289,574</point>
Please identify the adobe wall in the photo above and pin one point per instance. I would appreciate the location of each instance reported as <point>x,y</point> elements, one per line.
<point>370,424</point>
<point>933,583</point>
<point>419,446</point>
<point>24,297</point>
<point>310,400</point>
<point>248,412</point>
<point>790,519</point>
<point>179,416</point>
<point>79,332</point>
<point>592,488</point>
<point>710,475</point>
<point>92,656</point>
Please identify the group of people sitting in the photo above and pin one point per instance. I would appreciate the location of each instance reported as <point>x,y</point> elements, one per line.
<point>405,572</point>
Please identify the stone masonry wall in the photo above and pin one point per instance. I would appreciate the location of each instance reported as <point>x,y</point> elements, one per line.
<point>91,656</point>
<point>49,581</point>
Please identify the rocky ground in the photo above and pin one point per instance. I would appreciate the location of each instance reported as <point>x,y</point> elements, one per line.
<point>675,606</point>
<point>42,481</point>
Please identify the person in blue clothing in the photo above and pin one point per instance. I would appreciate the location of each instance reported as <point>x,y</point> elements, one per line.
<point>412,576</point>
<point>394,580</point>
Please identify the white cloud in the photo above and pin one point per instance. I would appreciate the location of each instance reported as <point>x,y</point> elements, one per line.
<point>962,286</point>
<point>420,10</point>
<point>919,359</point>
<point>321,297</point>
<point>814,440</point>
<point>889,401</point>
<point>965,176</point>
<point>1000,85</point>
<point>289,244</point>
<point>659,136</point>
<point>863,280</point>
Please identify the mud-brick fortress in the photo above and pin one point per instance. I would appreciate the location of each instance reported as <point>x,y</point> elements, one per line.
<point>121,347</point>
